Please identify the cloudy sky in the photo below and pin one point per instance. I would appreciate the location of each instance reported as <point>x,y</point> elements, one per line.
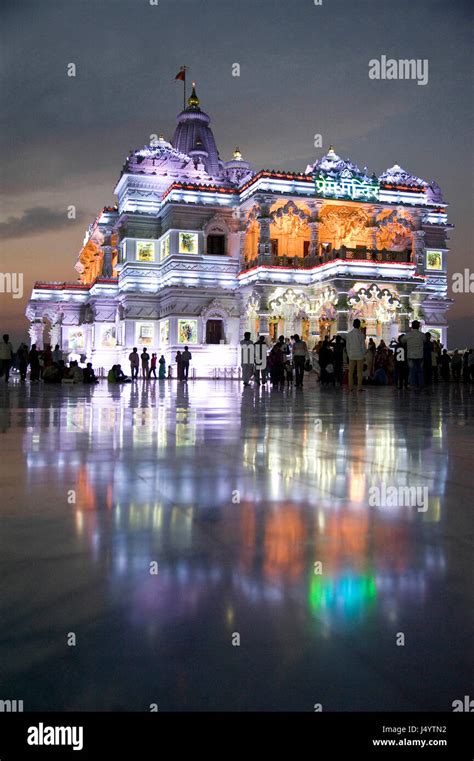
<point>303,71</point>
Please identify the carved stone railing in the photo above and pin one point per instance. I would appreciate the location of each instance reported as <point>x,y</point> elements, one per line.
<point>347,254</point>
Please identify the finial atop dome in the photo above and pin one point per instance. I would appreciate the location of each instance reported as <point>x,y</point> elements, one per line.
<point>237,153</point>
<point>193,100</point>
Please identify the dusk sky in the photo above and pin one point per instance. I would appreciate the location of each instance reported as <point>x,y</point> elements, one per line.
<point>304,71</point>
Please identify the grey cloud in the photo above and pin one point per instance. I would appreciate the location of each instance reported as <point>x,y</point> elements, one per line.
<point>35,221</point>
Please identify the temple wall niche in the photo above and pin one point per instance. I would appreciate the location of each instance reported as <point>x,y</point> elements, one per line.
<point>345,226</point>
<point>282,202</point>
<point>90,261</point>
<point>289,229</point>
<point>394,230</point>
<point>252,237</point>
<point>114,240</point>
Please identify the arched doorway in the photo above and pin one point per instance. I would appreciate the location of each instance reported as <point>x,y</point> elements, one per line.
<point>214,331</point>
<point>379,311</point>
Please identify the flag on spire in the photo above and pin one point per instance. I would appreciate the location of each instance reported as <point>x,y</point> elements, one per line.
<point>181,76</point>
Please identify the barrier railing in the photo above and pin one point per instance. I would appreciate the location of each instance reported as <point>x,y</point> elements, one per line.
<point>227,373</point>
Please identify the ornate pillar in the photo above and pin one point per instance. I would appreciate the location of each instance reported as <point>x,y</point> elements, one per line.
<point>314,239</point>
<point>243,318</point>
<point>88,330</point>
<point>264,245</point>
<point>242,235</point>
<point>313,319</point>
<point>263,315</point>
<point>36,333</point>
<point>107,263</point>
<point>342,317</point>
<point>290,322</point>
<point>419,251</point>
<point>370,326</point>
<point>373,232</point>
<point>107,248</point>
<point>404,322</point>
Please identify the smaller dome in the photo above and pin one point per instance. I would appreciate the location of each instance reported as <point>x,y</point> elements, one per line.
<point>333,167</point>
<point>162,143</point>
<point>397,176</point>
<point>237,155</point>
<point>433,193</point>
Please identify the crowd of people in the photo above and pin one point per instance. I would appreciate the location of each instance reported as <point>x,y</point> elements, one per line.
<point>147,363</point>
<point>46,365</point>
<point>413,360</point>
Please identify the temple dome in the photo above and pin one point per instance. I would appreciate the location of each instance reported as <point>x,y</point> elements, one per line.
<point>159,152</point>
<point>332,166</point>
<point>193,130</point>
<point>397,176</point>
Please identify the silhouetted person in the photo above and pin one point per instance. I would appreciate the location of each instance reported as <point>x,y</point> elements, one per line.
<point>185,359</point>
<point>179,365</point>
<point>445,362</point>
<point>355,348</point>
<point>162,370</point>
<point>145,358</point>
<point>300,353</point>
<point>152,369</point>
<point>456,365</point>
<point>33,359</point>
<point>88,375</point>
<point>247,358</point>
<point>414,341</point>
<point>338,356</point>
<point>22,355</point>
<point>134,360</point>
<point>6,357</point>
<point>260,371</point>
<point>401,363</point>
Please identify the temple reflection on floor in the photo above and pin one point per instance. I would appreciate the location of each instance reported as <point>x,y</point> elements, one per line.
<point>143,474</point>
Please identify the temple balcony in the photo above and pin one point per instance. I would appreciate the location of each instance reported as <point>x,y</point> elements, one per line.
<point>343,253</point>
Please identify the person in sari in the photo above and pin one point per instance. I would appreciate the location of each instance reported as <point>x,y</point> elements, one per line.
<point>276,363</point>
<point>179,365</point>
<point>370,358</point>
<point>162,369</point>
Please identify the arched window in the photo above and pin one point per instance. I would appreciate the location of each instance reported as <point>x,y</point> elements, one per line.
<point>215,233</point>
<point>215,244</point>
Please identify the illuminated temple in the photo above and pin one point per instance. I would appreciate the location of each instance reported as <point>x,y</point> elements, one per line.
<point>198,250</point>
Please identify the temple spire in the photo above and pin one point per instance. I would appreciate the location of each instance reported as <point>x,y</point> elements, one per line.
<point>193,100</point>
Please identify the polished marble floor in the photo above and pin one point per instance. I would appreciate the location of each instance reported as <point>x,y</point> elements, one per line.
<point>235,494</point>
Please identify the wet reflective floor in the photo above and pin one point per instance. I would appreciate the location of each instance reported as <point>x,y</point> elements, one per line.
<point>213,548</point>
